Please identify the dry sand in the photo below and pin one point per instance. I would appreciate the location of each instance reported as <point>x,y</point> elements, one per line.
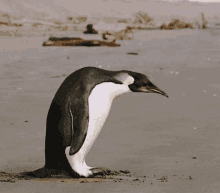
<point>169,145</point>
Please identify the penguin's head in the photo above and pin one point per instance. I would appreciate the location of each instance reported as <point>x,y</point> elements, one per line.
<point>138,82</point>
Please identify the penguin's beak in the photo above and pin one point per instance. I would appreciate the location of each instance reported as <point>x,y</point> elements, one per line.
<point>159,91</point>
<point>154,89</point>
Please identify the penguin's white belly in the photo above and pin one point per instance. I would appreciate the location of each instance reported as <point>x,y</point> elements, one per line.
<point>100,101</point>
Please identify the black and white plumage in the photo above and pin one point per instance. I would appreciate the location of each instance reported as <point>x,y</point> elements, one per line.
<point>79,110</point>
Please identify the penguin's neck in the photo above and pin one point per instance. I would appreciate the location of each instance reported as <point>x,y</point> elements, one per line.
<point>103,95</point>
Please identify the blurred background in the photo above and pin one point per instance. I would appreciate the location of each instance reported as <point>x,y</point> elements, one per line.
<point>29,17</point>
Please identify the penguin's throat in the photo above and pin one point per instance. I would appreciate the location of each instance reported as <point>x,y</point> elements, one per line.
<point>100,101</point>
<point>102,96</point>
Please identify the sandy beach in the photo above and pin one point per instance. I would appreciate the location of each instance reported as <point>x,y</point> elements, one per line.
<point>168,145</point>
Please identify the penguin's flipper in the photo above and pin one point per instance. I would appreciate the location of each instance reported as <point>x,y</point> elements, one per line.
<point>80,121</point>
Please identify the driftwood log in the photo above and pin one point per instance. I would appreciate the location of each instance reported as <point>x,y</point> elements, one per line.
<point>176,24</point>
<point>68,41</point>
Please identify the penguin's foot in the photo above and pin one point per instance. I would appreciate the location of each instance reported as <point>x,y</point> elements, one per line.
<point>89,167</point>
<point>39,173</point>
<point>78,164</point>
<point>82,170</point>
<point>99,171</point>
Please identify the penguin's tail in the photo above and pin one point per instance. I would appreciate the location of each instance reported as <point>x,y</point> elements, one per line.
<point>48,173</point>
<point>39,173</point>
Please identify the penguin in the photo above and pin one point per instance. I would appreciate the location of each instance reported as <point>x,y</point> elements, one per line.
<point>78,112</point>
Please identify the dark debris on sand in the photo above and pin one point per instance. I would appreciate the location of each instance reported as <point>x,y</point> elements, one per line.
<point>125,171</point>
<point>100,173</point>
<point>12,177</point>
<point>132,53</point>
<point>163,179</point>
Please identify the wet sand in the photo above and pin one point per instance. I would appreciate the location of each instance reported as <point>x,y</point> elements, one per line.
<point>169,145</point>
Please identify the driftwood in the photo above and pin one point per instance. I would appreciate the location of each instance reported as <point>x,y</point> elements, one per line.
<point>176,24</point>
<point>67,41</point>
<point>126,34</point>
<point>204,22</point>
<point>142,18</point>
<point>63,39</point>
